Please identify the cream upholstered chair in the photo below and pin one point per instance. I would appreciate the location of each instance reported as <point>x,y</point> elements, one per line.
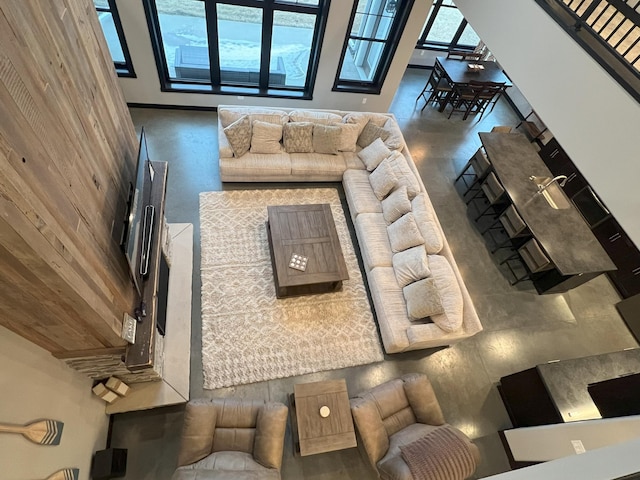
<point>403,414</point>
<point>231,438</point>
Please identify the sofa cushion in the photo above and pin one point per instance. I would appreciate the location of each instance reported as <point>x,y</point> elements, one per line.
<point>427,223</point>
<point>451,296</point>
<point>423,299</point>
<point>297,137</point>
<point>239,135</point>
<point>352,161</point>
<point>369,133</point>
<point>256,165</point>
<point>314,116</point>
<point>348,137</point>
<point>404,233</point>
<point>326,139</point>
<point>376,252</point>
<point>265,137</point>
<point>410,265</point>
<point>270,115</point>
<point>404,174</point>
<point>359,194</point>
<point>226,465</point>
<point>373,154</point>
<point>395,205</point>
<point>317,164</point>
<point>362,118</point>
<point>383,179</point>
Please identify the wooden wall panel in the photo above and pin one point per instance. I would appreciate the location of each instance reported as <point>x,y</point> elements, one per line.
<point>67,152</point>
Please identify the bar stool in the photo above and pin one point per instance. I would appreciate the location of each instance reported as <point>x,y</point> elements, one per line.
<point>513,225</point>
<point>532,257</point>
<point>481,167</point>
<point>494,193</point>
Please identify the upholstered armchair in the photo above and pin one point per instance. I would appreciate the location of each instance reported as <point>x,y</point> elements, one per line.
<point>402,420</point>
<point>232,439</point>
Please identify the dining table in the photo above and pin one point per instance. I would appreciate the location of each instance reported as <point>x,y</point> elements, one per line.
<point>458,72</point>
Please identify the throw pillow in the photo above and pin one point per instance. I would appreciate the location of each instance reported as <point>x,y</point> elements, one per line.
<point>411,265</point>
<point>239,135</point>
<point>394,141</point>
<point>326,139</point>
<point>423,299</point>
<point>444,453</point>
<point>382,180</point>
<point>265,137</point>
<point>396,205</point>
<point>450,294</point>
<point>348,137</point>
<point>373,154</point>
<point>369,133</point>
<point>404,233</point>
<point>297,137</point>
<point>427,223</point>
<point>403,172</point>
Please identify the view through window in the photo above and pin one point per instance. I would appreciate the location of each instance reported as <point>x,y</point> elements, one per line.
<point>446,29</point>
<point>114,35</point>
<point>226,43</point>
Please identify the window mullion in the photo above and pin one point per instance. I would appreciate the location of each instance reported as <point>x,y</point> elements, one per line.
<point>211,15</point>
<point>265,55</point>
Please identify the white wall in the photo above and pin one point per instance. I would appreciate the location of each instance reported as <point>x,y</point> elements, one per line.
<point>601,464</point>
<point>594,119</point>
<point>34,386</point>
<point>146,88</point>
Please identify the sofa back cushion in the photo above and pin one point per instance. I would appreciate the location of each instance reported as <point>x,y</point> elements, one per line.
<point>427,223</point>
<point>450,294</point>
<point>270,115</point>
<point>314,116</point>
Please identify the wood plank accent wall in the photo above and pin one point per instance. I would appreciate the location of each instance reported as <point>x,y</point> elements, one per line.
<point>67,152</point>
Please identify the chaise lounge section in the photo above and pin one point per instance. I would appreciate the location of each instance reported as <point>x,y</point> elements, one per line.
<point>419,297</point>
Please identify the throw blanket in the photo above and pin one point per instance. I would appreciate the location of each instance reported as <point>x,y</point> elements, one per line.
<point>440,455</point>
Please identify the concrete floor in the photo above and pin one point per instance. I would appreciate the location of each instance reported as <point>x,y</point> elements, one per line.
<point>521,328</point>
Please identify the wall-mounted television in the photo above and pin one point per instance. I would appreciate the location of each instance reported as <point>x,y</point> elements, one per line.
<point>140,218</point>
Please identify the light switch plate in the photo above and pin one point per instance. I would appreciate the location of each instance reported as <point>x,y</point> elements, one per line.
<point>129,328</point>
<point>578,446</point>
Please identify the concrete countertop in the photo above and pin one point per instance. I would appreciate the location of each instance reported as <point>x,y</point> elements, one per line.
<point>562,233</point>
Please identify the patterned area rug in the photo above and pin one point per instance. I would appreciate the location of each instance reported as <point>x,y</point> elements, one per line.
<point>248,335</point>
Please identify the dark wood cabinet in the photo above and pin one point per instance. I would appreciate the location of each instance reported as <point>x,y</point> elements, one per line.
<point>615,241</point>
<point>623,253</point>
<point>560,164</point>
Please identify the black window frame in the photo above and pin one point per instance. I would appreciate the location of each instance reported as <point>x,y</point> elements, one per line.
<point>454,44</point>
<point>215,86</point>
<point>123,69</point>
<point>374,86</point>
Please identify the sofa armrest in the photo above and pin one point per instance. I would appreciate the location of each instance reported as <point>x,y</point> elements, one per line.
<point>224,147</point>
<point>197,432</point>
<point>422,399</point>
<point>371,429</point>
<point>269,437</point>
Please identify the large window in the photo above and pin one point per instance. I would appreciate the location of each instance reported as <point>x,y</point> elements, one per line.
<point>240,47</point>
<point>446,29</point>
<point>374,32</point>
<point>113,33</point>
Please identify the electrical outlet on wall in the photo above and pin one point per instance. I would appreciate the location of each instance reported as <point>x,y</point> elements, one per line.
<point>578,446</point>
<point>129,328</point>
<point>364,100</point>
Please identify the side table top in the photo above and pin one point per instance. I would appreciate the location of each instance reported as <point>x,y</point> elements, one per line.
<point>318,434</point>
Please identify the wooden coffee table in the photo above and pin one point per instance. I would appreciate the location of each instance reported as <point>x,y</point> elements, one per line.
<point>308,231</point>
<point>315,433</point>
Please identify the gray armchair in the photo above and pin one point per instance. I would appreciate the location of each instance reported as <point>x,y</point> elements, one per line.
<point>232,439</point>
<point>400,413</point>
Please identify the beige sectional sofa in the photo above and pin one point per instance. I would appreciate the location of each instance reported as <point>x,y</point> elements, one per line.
<point>409,265</point>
